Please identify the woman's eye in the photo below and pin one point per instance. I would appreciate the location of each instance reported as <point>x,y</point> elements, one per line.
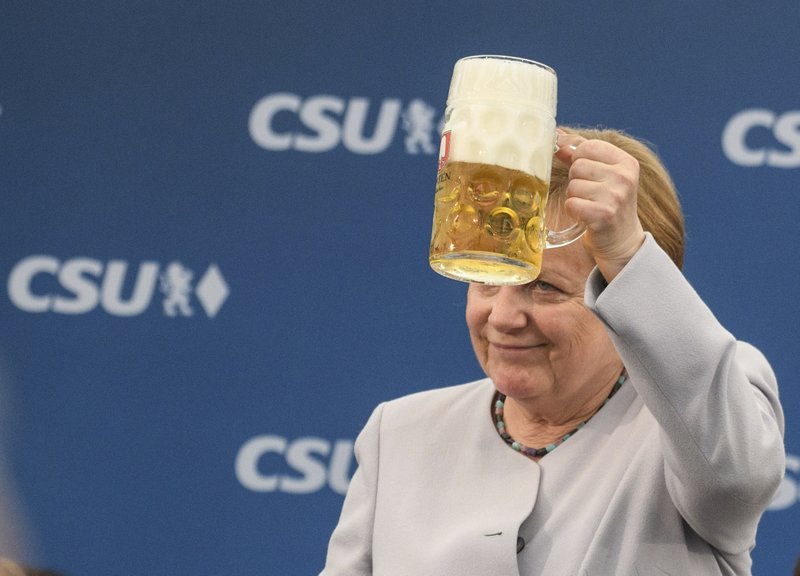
<point>542,286</point>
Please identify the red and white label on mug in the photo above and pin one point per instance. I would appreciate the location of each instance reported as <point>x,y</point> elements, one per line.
<point>444,150</point>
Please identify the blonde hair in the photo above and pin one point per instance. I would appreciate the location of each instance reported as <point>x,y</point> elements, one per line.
<point>657,200</point>
<point>10,568</point>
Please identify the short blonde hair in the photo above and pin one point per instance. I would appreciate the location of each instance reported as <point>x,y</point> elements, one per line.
<point>657,200</point>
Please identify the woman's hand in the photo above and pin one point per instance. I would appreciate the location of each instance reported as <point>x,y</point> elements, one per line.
<point>601,192</point>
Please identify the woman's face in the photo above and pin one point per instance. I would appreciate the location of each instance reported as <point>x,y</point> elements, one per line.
<point>540,338</point>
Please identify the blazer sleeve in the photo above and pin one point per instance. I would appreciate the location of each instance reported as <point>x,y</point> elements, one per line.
<point>350,545</point>
<point>715,399</point>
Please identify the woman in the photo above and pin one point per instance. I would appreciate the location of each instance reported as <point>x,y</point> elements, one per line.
<point>621,430</point>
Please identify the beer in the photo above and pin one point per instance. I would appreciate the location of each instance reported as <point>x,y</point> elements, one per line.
<point>495,158</point>
<point>488,223</point>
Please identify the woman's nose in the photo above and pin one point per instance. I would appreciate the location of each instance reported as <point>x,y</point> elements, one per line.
<point>510,308</point>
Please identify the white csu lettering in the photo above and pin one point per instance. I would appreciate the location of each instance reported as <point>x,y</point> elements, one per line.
<point>305,456</point>
<point>320,117</point>
<point>85,281</point>
<point>785,129</point>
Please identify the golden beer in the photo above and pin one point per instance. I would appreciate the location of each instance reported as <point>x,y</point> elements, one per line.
<point>488,224</point>
<point>495,157</point>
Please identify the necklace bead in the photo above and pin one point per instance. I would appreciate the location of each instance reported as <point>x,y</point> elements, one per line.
<point>536,453</point>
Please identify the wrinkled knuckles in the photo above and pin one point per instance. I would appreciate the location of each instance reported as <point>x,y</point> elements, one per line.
<point>630,180</point>
<point>581,169</point>
<point>593,147</point>
<point>607,215</point>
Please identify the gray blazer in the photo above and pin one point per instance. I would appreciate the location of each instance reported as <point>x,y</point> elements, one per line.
<point>670,477</point>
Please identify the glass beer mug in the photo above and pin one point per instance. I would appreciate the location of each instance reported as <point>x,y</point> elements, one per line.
<point>495,157</point>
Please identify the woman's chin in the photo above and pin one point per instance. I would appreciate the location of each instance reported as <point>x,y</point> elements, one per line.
<point>517,384</point>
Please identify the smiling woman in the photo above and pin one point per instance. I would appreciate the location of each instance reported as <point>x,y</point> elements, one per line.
<point>544,349</point>
<point>621,429</point>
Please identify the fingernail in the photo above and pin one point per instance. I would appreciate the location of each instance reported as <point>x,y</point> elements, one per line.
<point>570,147</point>
<point>560,134</point>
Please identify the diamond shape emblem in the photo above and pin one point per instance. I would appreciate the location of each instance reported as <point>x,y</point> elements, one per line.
<point>212,290</point>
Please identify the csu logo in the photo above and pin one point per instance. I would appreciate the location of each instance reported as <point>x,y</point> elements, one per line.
<point>270,463</point>
<point>45,284</point>
<point>285,121</point>
<point>760,137</point>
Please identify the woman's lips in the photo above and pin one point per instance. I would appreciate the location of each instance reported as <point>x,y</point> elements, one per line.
<point>508,348</point>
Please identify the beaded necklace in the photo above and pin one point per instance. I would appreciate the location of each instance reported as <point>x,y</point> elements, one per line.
<point>539,452</point>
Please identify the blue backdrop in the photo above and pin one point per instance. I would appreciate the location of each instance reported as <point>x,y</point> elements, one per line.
<point>213,244</point>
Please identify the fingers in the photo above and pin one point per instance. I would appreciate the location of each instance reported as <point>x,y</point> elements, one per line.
<point>588,203</point>
<point>588,169</point>
<point>616,175</point>
<point>571,147</point>
<point>601,192</point>
<point>597,161</point>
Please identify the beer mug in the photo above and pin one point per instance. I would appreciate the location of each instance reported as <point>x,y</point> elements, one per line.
<point>495,157</point>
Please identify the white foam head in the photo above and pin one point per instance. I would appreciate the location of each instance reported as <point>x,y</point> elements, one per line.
<point>501,110</point>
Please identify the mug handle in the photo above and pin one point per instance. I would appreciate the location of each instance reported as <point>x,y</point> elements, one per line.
<point>557,238</point>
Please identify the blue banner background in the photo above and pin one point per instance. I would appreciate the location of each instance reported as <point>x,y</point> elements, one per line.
<point>139,135</point>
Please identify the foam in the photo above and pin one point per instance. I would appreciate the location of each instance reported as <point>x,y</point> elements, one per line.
<point>502,112</point>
